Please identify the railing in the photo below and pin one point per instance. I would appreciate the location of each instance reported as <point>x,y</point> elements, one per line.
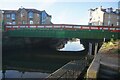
<point>64,26</point>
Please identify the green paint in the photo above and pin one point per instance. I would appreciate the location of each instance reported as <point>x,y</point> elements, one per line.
<point>61,33</point>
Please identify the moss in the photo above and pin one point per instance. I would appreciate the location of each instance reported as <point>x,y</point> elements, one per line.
<point>112,46</point>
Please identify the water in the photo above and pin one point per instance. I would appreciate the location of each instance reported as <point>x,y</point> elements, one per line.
<point>19,74</point>
<point>0,74</point>
<point>40,62</point>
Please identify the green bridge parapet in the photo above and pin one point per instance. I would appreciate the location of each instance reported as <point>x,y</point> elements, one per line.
<point>63,33</point>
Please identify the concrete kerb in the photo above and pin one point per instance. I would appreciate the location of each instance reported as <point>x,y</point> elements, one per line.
<point>93,69</point>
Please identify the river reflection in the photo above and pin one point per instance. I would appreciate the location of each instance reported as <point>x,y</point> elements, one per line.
<point>39,62</point>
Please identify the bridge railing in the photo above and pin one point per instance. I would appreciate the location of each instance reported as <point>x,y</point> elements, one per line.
<point>63,26</point>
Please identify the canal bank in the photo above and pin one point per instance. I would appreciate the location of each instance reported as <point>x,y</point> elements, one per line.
<point>106,63</point>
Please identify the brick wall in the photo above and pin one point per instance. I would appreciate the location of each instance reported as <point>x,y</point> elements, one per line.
<point>22,17</point>
<point>111,19</point>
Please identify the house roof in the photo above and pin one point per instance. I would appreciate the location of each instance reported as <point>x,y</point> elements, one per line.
<point>112,12</point>
<point>26,9</point>
<point>106,10</point>
<point>10,11</point>
<point>46,13</point>
<point>34,10</point>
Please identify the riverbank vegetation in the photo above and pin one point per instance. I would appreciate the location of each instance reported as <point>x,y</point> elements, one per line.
<point>111,47</point>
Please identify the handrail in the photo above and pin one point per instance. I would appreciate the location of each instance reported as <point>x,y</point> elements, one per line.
<point>63,26</point>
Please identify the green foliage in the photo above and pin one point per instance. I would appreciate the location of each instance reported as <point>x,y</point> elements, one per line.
<point>112,46</point>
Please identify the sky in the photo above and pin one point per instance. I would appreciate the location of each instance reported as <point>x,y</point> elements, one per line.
<point>62,11</point>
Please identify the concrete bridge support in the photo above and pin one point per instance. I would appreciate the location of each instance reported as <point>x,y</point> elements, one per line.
<point>90,49</point>
<point>93,48</point>
<point>91,45</point>
<point>96,48</point>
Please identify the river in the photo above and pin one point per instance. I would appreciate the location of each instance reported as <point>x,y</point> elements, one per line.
<point>39,62</point>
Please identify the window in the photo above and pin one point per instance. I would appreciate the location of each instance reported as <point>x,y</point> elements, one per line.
<point>117,23</point>
<point>23,22</point>
<point>98,17</point>
<point>99,23</point>
<point>38,15</point>
<point>109,16</point>
<point>44,16</point>
<point>30,14</point>
<point>108,23</point>
<point>22,14</point>
<point>117,12</point>
<point>13,16</point>
<point>8,15</point>
<point>31,22</point>
<point>94,23</point>
<point>8,22</point>
<point>13,22</point>
<point>117,17</point>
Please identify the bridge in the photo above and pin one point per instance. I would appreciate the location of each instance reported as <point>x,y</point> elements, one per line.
<point>63,31</point>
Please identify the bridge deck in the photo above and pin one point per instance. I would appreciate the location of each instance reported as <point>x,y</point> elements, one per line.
<point>63,31</point>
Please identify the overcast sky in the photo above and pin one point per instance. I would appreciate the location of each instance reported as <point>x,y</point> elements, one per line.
<point>62,11</point>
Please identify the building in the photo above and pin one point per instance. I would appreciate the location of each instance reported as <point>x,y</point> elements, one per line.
<point>1,18</point>
<point>26,16</point>
<point>104,17</point>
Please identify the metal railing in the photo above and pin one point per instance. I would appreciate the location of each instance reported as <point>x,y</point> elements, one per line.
<point>64,26</point>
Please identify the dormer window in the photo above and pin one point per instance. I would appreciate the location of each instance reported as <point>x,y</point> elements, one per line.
<point>117,12</point>
<point>30,14</point>
<point>13,16</point>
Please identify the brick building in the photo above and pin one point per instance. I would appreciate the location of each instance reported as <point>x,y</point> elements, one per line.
<point>26,16</point>
<point>105,17</point>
